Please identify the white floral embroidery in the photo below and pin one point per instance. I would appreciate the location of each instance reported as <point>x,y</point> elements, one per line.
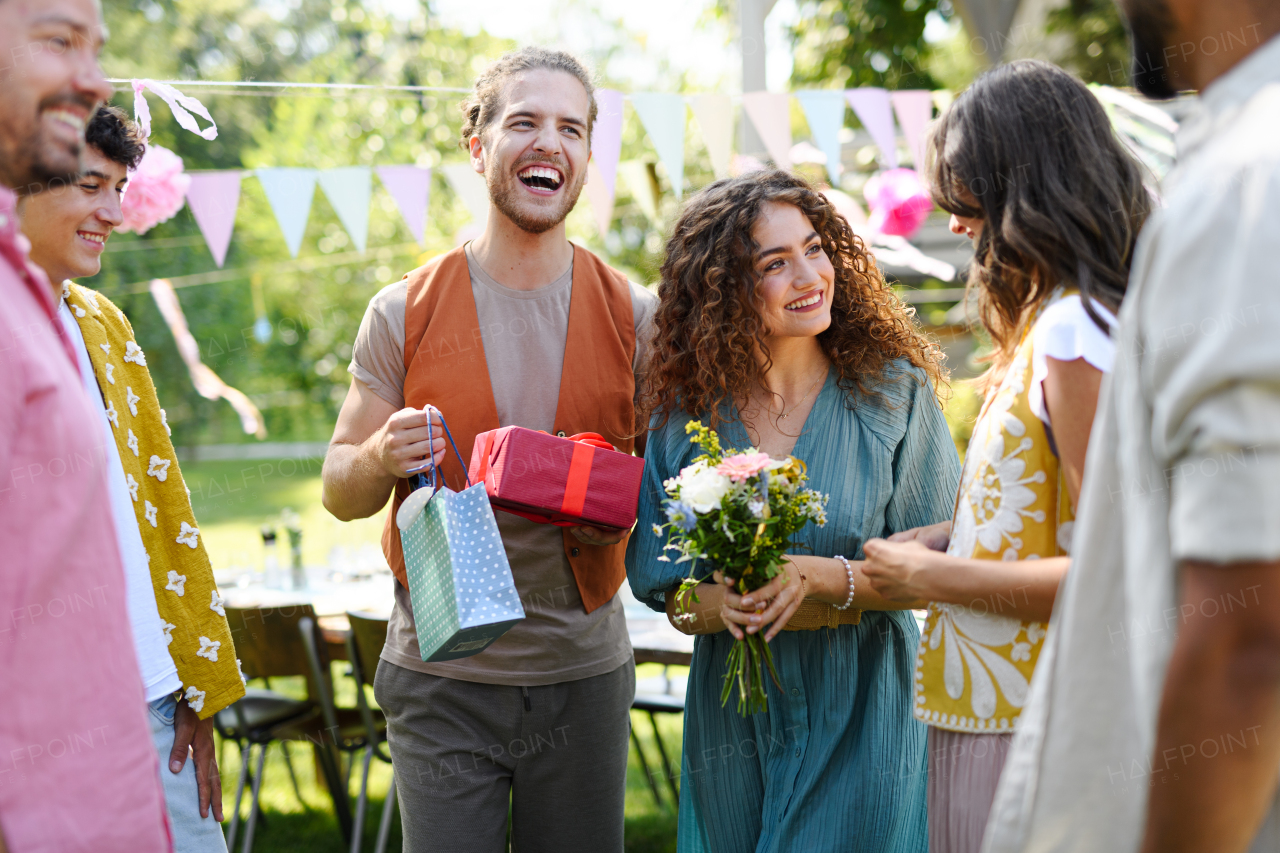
<point>91,298</point>
<point>967,638</point>
<point>132,399</point>
<point>106,348</point>
<point>240,670</point>
<point>133,486</point>
<point>108,369</point>
<point>158,468</point>
<point>216,605</point>
<point>150,512</point>
<point>164,420</point>
<point>195,698</point>
<point>1035,632</point>
<point>133,352</point>
<point>1020,651</point>
<point>167,627</point>
<point>66,288</point>
<point>111,413</point>
<point>80,312</point>
<point>209,649</point>
<point>132,443</point>
<point>176,582</point>
<point>187,536</point>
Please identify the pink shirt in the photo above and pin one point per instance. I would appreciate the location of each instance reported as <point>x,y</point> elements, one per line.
<point>78,771</point>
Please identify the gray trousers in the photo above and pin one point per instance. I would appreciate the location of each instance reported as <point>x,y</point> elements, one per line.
<point>467,755</point>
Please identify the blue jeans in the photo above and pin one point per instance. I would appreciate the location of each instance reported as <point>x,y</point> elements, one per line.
<point>191,833</point>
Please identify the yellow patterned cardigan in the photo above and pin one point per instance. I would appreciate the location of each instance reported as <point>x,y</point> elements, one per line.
<point>194,619</point>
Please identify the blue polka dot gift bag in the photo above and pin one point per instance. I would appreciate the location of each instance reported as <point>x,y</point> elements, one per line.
<point>460,582</point>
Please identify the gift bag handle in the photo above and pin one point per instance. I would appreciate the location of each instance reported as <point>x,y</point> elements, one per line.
<point>421,479</point>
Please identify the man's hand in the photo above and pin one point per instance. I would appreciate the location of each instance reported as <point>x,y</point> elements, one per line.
<point>195,736</point>
<point>935,537</point>
<point>405,441</point>
<point>597,535</point>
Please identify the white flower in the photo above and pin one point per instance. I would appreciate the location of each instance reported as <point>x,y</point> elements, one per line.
<point>149,512</point>
<point>176,582</point>
<point>187,535</point>
<point>1020,651</point>
<point>164,420</point>
<point>158,468</point>
<point>209,649</point>
<point>702,488</point>
<point>132,399</point>
<point>132,443</point>
<point>756,506</point>
<point>240,670</point>
<point>111,413</point>
<point>167,627</point>
<point>107,369</point>
<point>133,352</point>
<point>195,698</point>
<point>133,486</point>
<point>216,605</point>
<point>106,348</point>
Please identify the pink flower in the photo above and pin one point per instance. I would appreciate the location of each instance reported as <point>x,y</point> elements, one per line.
<point>155,192</point>
<point>744,465</point>
<point>899,202</point>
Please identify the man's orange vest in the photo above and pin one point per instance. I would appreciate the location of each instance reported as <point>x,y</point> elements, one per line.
<point>445,366</point>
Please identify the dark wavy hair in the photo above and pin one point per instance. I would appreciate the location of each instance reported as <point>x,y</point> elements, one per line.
<point>708,328</point>
<point>118,138</point>
<point>1029,150</point>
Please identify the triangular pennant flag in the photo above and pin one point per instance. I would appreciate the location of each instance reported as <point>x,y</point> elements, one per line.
<point>470,187</point>
<point>290,192</point>
<point>915,110</point>
<point>606,145</point>
<point>715,117</point>
<point>410,186</point>
<point>663,118</point>
<point>770,112</point>
<point>348,189</point>
<point>635,174</point>
<point>213,198</point>
<point>875,111</point>
<point>824,110</point>
<point>600,194</point>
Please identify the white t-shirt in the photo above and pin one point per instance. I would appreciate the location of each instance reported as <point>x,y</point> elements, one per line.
<point>1064,332</point>
<point>159,675</point>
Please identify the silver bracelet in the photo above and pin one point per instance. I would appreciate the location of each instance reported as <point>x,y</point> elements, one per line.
<point>848,570</point>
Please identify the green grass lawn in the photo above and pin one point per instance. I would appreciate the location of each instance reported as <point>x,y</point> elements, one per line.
<point>232,500</point>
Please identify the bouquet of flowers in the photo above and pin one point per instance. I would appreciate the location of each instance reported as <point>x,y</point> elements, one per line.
<point>737,511</point>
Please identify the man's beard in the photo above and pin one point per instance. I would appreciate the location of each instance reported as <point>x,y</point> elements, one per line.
<point>35,164</point>
<point>504,193</point>
<point>1149,27</point>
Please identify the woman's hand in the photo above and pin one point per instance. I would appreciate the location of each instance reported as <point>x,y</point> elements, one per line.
<point>900,571</point>
<point>935,537</point>
<point>772,604</point>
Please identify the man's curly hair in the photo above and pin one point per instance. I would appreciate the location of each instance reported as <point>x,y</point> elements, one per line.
<point>708,328</point>
<point>118,138</point>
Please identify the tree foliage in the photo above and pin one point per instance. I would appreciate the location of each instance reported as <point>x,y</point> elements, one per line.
<point>849,43</point>
<point>1097,45</point>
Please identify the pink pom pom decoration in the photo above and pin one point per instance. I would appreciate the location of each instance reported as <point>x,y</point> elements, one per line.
<point>155,192</point>
<point>899,202</point>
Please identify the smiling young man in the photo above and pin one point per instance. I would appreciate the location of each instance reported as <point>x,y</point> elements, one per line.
<point>77,768</point>
<point>518,327</point>
<point>180,632</point>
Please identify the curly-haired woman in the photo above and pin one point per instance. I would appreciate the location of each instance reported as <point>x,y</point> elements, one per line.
<point>1029,167</point>
<point>775,328</point>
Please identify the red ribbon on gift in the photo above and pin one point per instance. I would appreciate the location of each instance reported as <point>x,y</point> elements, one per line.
<point>575,487</point>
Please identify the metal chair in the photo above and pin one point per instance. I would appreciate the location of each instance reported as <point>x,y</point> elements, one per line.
<point>364,646</point>
<point>654,704</point>
<point>270,643</point>
<point>351,730</point>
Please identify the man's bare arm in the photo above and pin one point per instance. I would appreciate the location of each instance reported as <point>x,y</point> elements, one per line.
<point>373,445</point>
<point>1223,686</point>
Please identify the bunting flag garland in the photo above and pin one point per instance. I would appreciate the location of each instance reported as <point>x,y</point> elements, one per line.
<point>875,111</point>
<point>290,192</point>
<point>469,186</point>
<point>824,110</point>
<point>635,174</point>
<point>601,195</point>
<point>213,198</point>
<point>606,150</point>
<point>663,118</point>
<point>915,110</point>
<point>770,112</point>
<point>349,189</point>
<point>715,118</point>
<point>410,187</point>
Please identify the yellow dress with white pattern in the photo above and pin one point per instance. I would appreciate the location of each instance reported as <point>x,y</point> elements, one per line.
<point>974,665</point>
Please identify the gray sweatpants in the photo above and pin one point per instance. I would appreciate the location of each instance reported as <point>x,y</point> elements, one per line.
<point>464,753</point>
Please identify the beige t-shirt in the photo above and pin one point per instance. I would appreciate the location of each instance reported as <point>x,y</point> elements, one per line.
<point>524,333</point>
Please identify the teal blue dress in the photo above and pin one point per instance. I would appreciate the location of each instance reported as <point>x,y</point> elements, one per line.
<point>838,763</point>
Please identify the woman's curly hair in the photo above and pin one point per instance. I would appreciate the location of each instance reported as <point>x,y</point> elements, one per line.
<point>708,334</point>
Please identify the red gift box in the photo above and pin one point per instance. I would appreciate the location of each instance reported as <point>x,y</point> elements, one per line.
<point>562,481</point>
